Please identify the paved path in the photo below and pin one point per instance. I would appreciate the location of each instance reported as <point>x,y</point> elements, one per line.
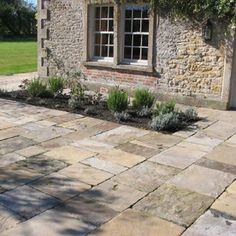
<point>64,174</point>
<point>12,82</point>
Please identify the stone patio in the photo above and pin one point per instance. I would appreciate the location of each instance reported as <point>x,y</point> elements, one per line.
<point>65,174</point>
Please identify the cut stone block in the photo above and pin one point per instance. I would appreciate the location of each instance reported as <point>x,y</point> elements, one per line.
<point>60,186</point>
<point>146,176</point>
<point>85,174</point>
<point>10,158</point>
<point>14,144</point>
<point>175,204</point>
<point>64,118</point>
<point>223,153</point>
<point>203,180</point>
<point>232,140</point>
<point>69,154</point>
<point>178,157</point>
<point>27,201</point>
<point>10,133</point>
<point>121,158</point>
<point>5,124</point>
<point>120,135</point>
<point>131,222</point>
<point>114,195</point>
<point>42,164</point>
<point>138,150</point>
<point>195,147</point>
<point>56,143</point>
<point>104,165</point>
<point>8,219</point>
<point>31,151</point>
<point>211,224</point>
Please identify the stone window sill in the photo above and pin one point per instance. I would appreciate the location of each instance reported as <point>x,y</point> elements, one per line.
<point>124,67</point>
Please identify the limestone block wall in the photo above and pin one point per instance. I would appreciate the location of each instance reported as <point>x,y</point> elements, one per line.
<point>186,68</point>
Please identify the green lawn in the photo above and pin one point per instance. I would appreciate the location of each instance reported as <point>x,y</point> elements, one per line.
<point>18,57</point>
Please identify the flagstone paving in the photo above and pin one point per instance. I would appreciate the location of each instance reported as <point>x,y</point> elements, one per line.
<point>65,174</point>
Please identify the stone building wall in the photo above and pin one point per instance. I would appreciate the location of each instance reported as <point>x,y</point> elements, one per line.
<point>186,68</point>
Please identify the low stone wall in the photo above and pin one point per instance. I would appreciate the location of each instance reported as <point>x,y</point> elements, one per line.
<point>185,66</point>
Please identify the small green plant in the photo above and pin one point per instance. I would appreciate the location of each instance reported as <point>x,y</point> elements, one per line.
<point>143,98</point>
<point>117,100</point>
<point>164,108</point>
<point>56,85</point>
<point>37,88</point>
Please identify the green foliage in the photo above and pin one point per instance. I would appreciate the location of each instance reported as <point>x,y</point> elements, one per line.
<point>56,85</point>
<point>37,88</point>
<point>189,115</point>
<point>117,100</point>
<point>164,108</point>
<point>143,98</point>
<point>122,116</point>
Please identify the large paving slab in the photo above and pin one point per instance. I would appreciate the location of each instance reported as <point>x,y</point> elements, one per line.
<point>10,158</point>
<point>203,180</point>
<point>133,223</point>
<point>211,224</point>
<point>175,204</point>
<point>27,201</point>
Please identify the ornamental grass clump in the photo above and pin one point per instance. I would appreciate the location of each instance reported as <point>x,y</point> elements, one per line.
<point>164,108</point>
<point>143,98</point>
<point>117,100</point>
<point>37,88</point>
<point>56,85</point>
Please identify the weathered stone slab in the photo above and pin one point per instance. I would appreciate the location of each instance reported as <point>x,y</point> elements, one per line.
<point>104,165</point>
<point>31,151</point>
<point>49,224</point>
<point>10,158</point>
<point>178,157</point>
<point>10,133</point>
<point>232,140</point>
<point>158,140</point>
<point>121,158</point>
<point>64,118</point>
<point>27,201</point>
<point>120,135</point>
<point>85,174</point>
<point>42,164</point>
<point>146,176</point>
<point>217,165</point>
<point>223,153</point>
<point>14,175</point>
<point>69,154</point>
<point>131,222</point>
<point>56,142</point>
<point>186,132</point>
<point>87,211</point>
<point>175,204</point>
<point>211,224</point>
<point>8,219</point>
<point>195,146</point>
<point>204,139</point>
<point>60,186</point>
<point>93,145</point>
<point>203,180</point>
<point>138,149</point>
<point>5,124</point>
<point>114,195</point>
<point>14,144</point>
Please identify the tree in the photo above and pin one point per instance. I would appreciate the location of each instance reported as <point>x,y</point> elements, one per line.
<point>17,17</point>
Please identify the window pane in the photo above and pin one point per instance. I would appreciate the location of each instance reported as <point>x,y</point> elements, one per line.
<point>145,40</point>
<point>111,39</point>
<point>97,25</point>
<point>111,25</point>
<point>110,51</point>
<point>128,26</point>
<point>145,26</point>
<point>127,53</point>
<point>104,12</point>
<point>97,12</point>
<point>97,51</point>
<point>97,38</point>
<point>128,14</point>
<point>104,51</point>
<point>105,38</point>
<point>111,12</point>
<point>136,26</point>
<point>137,14</point>
<point>144,54</point>
<point>137,40</point>
<point>145,14</point>
<point>136,53</point>
<point>128,40</point>
<point>103,25</point>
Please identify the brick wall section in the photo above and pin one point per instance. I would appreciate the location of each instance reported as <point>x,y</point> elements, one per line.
<point>185,65</point>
